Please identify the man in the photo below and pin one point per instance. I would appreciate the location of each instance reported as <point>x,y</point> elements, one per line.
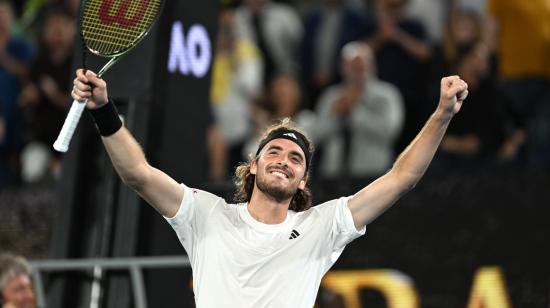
<point>16,289</point>
<point>359,119</point>
<point>272,250</point>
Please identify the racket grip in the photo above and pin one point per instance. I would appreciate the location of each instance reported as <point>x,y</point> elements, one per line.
<point>67,131</point>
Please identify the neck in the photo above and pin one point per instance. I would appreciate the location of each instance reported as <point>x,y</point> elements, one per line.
<point>267,210</point>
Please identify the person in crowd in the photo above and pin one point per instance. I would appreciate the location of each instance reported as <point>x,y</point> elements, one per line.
<point>523,49</point>
<point>359,120</point>
<point>433,15</point>
<point>45,98</point>
<point>327,28</point>
<point>284,100</point>
<point>490,132</point>
<point>237,76</point>
<point>276,29</point>
<point>16,289</point>
<point>401,46</point>
<point>15,56</point>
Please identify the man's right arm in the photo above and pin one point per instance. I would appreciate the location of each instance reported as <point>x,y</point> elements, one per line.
<point>153,185</point>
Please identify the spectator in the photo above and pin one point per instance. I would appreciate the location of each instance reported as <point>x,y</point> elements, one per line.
<point>276,29</point>
<point>237,80</point>
<point>358,120</point>
<point>15,282</point>
<point>488,132</point>
<point>328,28</point>
<point>284,101</point>
<point>432,14</point>
<point>463,32</point>
<point>15,55</point>
<point>45,98</point>
<point>524,64</point>
<point>402,52</point>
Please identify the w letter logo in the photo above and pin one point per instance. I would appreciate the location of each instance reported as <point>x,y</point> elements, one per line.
<point>108,17</point>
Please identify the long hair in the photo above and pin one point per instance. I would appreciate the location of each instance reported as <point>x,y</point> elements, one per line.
<point>244,180</point>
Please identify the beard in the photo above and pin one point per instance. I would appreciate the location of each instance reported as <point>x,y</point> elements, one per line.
<point>277,193</point>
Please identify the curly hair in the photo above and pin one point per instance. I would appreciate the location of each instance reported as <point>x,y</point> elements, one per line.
<point>244,180</point>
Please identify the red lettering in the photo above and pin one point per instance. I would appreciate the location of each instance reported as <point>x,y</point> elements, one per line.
<point>120,15</point>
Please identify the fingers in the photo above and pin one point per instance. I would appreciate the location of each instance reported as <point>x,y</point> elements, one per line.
<point>89,77</point>
<point>453,86</point>
<point>86,84</point>
<point>94,80</point>
<point>461,96</point>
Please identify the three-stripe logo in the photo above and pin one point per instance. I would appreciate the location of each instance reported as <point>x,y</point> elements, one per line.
<point>294,235</point>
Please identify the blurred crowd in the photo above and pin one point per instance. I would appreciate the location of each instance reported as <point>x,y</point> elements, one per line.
<point>37,40</point>
<point>359,76</point>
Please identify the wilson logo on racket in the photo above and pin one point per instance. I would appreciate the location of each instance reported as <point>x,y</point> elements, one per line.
<point>120,15</point>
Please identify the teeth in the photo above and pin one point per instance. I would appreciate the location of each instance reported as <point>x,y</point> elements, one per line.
<point>279,173</point>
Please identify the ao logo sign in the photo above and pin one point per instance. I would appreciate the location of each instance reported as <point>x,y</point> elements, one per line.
<point>189,54</point>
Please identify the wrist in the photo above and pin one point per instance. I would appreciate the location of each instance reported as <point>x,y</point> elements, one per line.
<point>443,114</point>
<point>106,119</point>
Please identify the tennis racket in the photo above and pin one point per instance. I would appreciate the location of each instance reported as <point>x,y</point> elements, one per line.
<point>109,28</point>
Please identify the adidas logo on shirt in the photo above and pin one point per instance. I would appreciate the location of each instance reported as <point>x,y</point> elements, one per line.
<point>294,235</point>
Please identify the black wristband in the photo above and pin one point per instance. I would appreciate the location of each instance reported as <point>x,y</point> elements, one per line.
<point>106,119</point>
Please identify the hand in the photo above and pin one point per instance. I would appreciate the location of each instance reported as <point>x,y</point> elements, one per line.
<point>29,96</point>
<point>453,93</point>
<point>387,30</point>
<point>82,89</point>
<point>347,100</point>
<point>49,87</point>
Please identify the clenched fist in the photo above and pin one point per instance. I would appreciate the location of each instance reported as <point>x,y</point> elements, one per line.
<point>87,86</point>
<point>453,93</point>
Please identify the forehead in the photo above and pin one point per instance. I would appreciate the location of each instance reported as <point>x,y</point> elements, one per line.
<point>18,280</point>
<point>284,144</point>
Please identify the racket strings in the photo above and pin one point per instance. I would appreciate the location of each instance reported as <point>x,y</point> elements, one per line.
<point>113,26</point>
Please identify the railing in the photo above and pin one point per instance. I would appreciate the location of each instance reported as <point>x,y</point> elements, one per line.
<point>135,267</point>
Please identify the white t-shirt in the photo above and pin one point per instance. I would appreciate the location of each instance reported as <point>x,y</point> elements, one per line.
<point>238,262</point>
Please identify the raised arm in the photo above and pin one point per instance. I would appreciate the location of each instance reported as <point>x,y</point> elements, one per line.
<point>410,166</point>
<point>153,185</point>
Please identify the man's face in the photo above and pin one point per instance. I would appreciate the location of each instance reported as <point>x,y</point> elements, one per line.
<point>358,68</point>
<point>280,169</point>
<point>59,32</point>
<point>19,292</point>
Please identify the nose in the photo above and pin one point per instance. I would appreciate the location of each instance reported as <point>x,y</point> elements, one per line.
<point>283,161</point>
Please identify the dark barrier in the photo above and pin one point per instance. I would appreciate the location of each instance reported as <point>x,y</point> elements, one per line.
<point>455,225</point>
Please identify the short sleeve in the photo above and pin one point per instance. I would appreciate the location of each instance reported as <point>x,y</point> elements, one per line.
<point>185,211</point>
<point>344,229</point>
<point>192,215</point>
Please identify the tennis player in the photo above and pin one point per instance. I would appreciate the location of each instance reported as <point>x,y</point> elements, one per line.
<point>273,249</point>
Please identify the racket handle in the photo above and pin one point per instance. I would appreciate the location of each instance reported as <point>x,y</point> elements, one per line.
<point>67,131</point>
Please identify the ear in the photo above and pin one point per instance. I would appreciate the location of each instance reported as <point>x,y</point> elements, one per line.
<point>254,167</point>
<point>302,184</point>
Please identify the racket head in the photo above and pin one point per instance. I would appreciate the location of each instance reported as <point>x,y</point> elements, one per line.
<point>110,28</point>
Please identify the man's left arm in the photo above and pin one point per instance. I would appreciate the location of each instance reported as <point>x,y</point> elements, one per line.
<point>410,166</point>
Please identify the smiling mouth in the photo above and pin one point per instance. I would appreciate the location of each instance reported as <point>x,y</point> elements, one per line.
<point>280,173</point>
